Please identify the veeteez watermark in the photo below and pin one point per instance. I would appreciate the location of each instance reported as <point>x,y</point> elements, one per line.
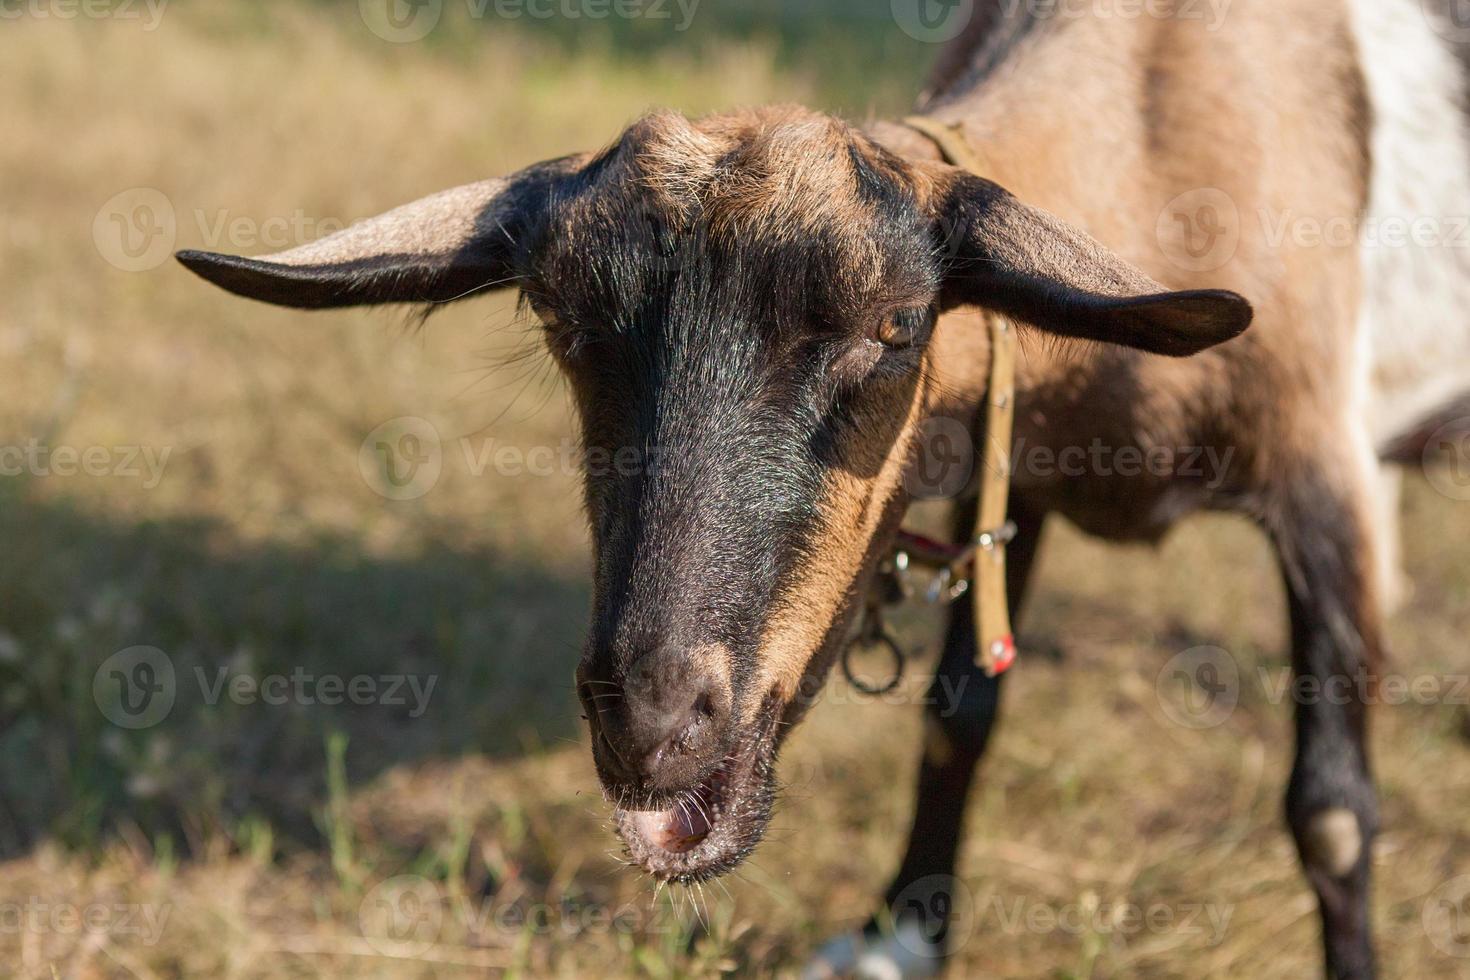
<point>1210,464</point>
<point>149,12</point>
<point>1104,917</point>
<point>1365,229</point>
<point>942,902</point>
<point>39,459</point>
<point>136,230</point>
<point>137,687</point>
<point>1446,458</point>
<point>1211,12</point>
<point>938,21</point>
<point>307,689</point>
<point>1446,917</point>
<point>1201,229</point>
<point>1200,687</point>
<point>681,12</point>
<point>405,457</point>
<point>1364,687</point>
<point>38,916</point>
<point>567,458</point>
<point>943,695</point>
<point>406,21</point>
<point>405,916</point>
<point>945,459</point>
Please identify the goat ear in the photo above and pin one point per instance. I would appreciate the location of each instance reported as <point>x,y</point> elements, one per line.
<point>441,248</point>
<point>1030,265</point>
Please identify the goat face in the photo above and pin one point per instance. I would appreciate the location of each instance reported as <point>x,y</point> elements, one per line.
<point>743,307</point>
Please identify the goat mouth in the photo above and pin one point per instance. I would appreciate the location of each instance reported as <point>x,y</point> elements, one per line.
<point>708,829</point>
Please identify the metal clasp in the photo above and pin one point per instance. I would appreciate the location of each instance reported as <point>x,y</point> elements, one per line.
<point>946,587</point>
<point>995,537</point>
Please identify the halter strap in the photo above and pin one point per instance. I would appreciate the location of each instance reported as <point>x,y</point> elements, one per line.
<point>995,646</point>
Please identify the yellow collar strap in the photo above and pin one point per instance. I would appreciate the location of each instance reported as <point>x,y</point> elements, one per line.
<point>995,646</point>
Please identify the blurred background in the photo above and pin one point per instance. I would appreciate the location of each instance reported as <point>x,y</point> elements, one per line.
<point>278,701</point>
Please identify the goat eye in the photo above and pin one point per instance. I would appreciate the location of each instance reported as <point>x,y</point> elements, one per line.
<point>903,328</point>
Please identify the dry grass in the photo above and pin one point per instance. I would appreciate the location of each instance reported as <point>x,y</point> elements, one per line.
<point>256,841</point>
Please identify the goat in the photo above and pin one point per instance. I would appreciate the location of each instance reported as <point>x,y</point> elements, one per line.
<point>773,301</point>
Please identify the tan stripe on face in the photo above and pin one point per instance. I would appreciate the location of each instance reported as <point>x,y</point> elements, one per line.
<point>853,506</point>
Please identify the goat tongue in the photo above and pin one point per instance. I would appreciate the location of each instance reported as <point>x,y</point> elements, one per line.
<point>678,829</point>
<point>684,826</point>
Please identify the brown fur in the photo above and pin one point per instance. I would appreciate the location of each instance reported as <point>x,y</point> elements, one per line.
<point>853,511</point>
<point>1107,162</point>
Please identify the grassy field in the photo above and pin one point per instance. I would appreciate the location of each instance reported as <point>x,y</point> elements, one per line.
<point>206,494</point>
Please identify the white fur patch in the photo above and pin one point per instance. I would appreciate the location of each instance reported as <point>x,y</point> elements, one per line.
<point>1394,585</point>
<point>899,957</point>
<point>1415,321</point>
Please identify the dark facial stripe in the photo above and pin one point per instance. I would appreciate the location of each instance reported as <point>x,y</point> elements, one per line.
<point>703,289</point>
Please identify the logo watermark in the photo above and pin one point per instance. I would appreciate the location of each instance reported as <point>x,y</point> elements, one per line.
<point>402,458</point>
<point>943,459</point>
<point>138,687</point>
<point>1211,13</point>
<point>932,21</point>
<point>943,695</point>
<point>1096,915</point>
<point>38,459</point>
<point>1201,687</point>
<point>1447,459</point>
<point>938,21</point>
<point>148,12</point>
<point>407,915</point>
<point>407,21</point>
<point>1369,231</point>
<point>37,915</point>
<point>135,688</point>
<point>1450,19</point>
<point>1201,229</point>
<point>1209,464</point>
<point>931,908</point>
<point>135,230</point>
<point>1363,687</point>
<point>920,913</point>
<point>1446,917</point>
<point>307,689</point>
<point>406,457</point>
<point>402,916</point>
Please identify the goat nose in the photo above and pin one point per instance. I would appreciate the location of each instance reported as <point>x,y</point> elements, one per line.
<point>663,725</point>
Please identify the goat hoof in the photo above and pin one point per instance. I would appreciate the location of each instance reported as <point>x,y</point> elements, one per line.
<point>903,954</point>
